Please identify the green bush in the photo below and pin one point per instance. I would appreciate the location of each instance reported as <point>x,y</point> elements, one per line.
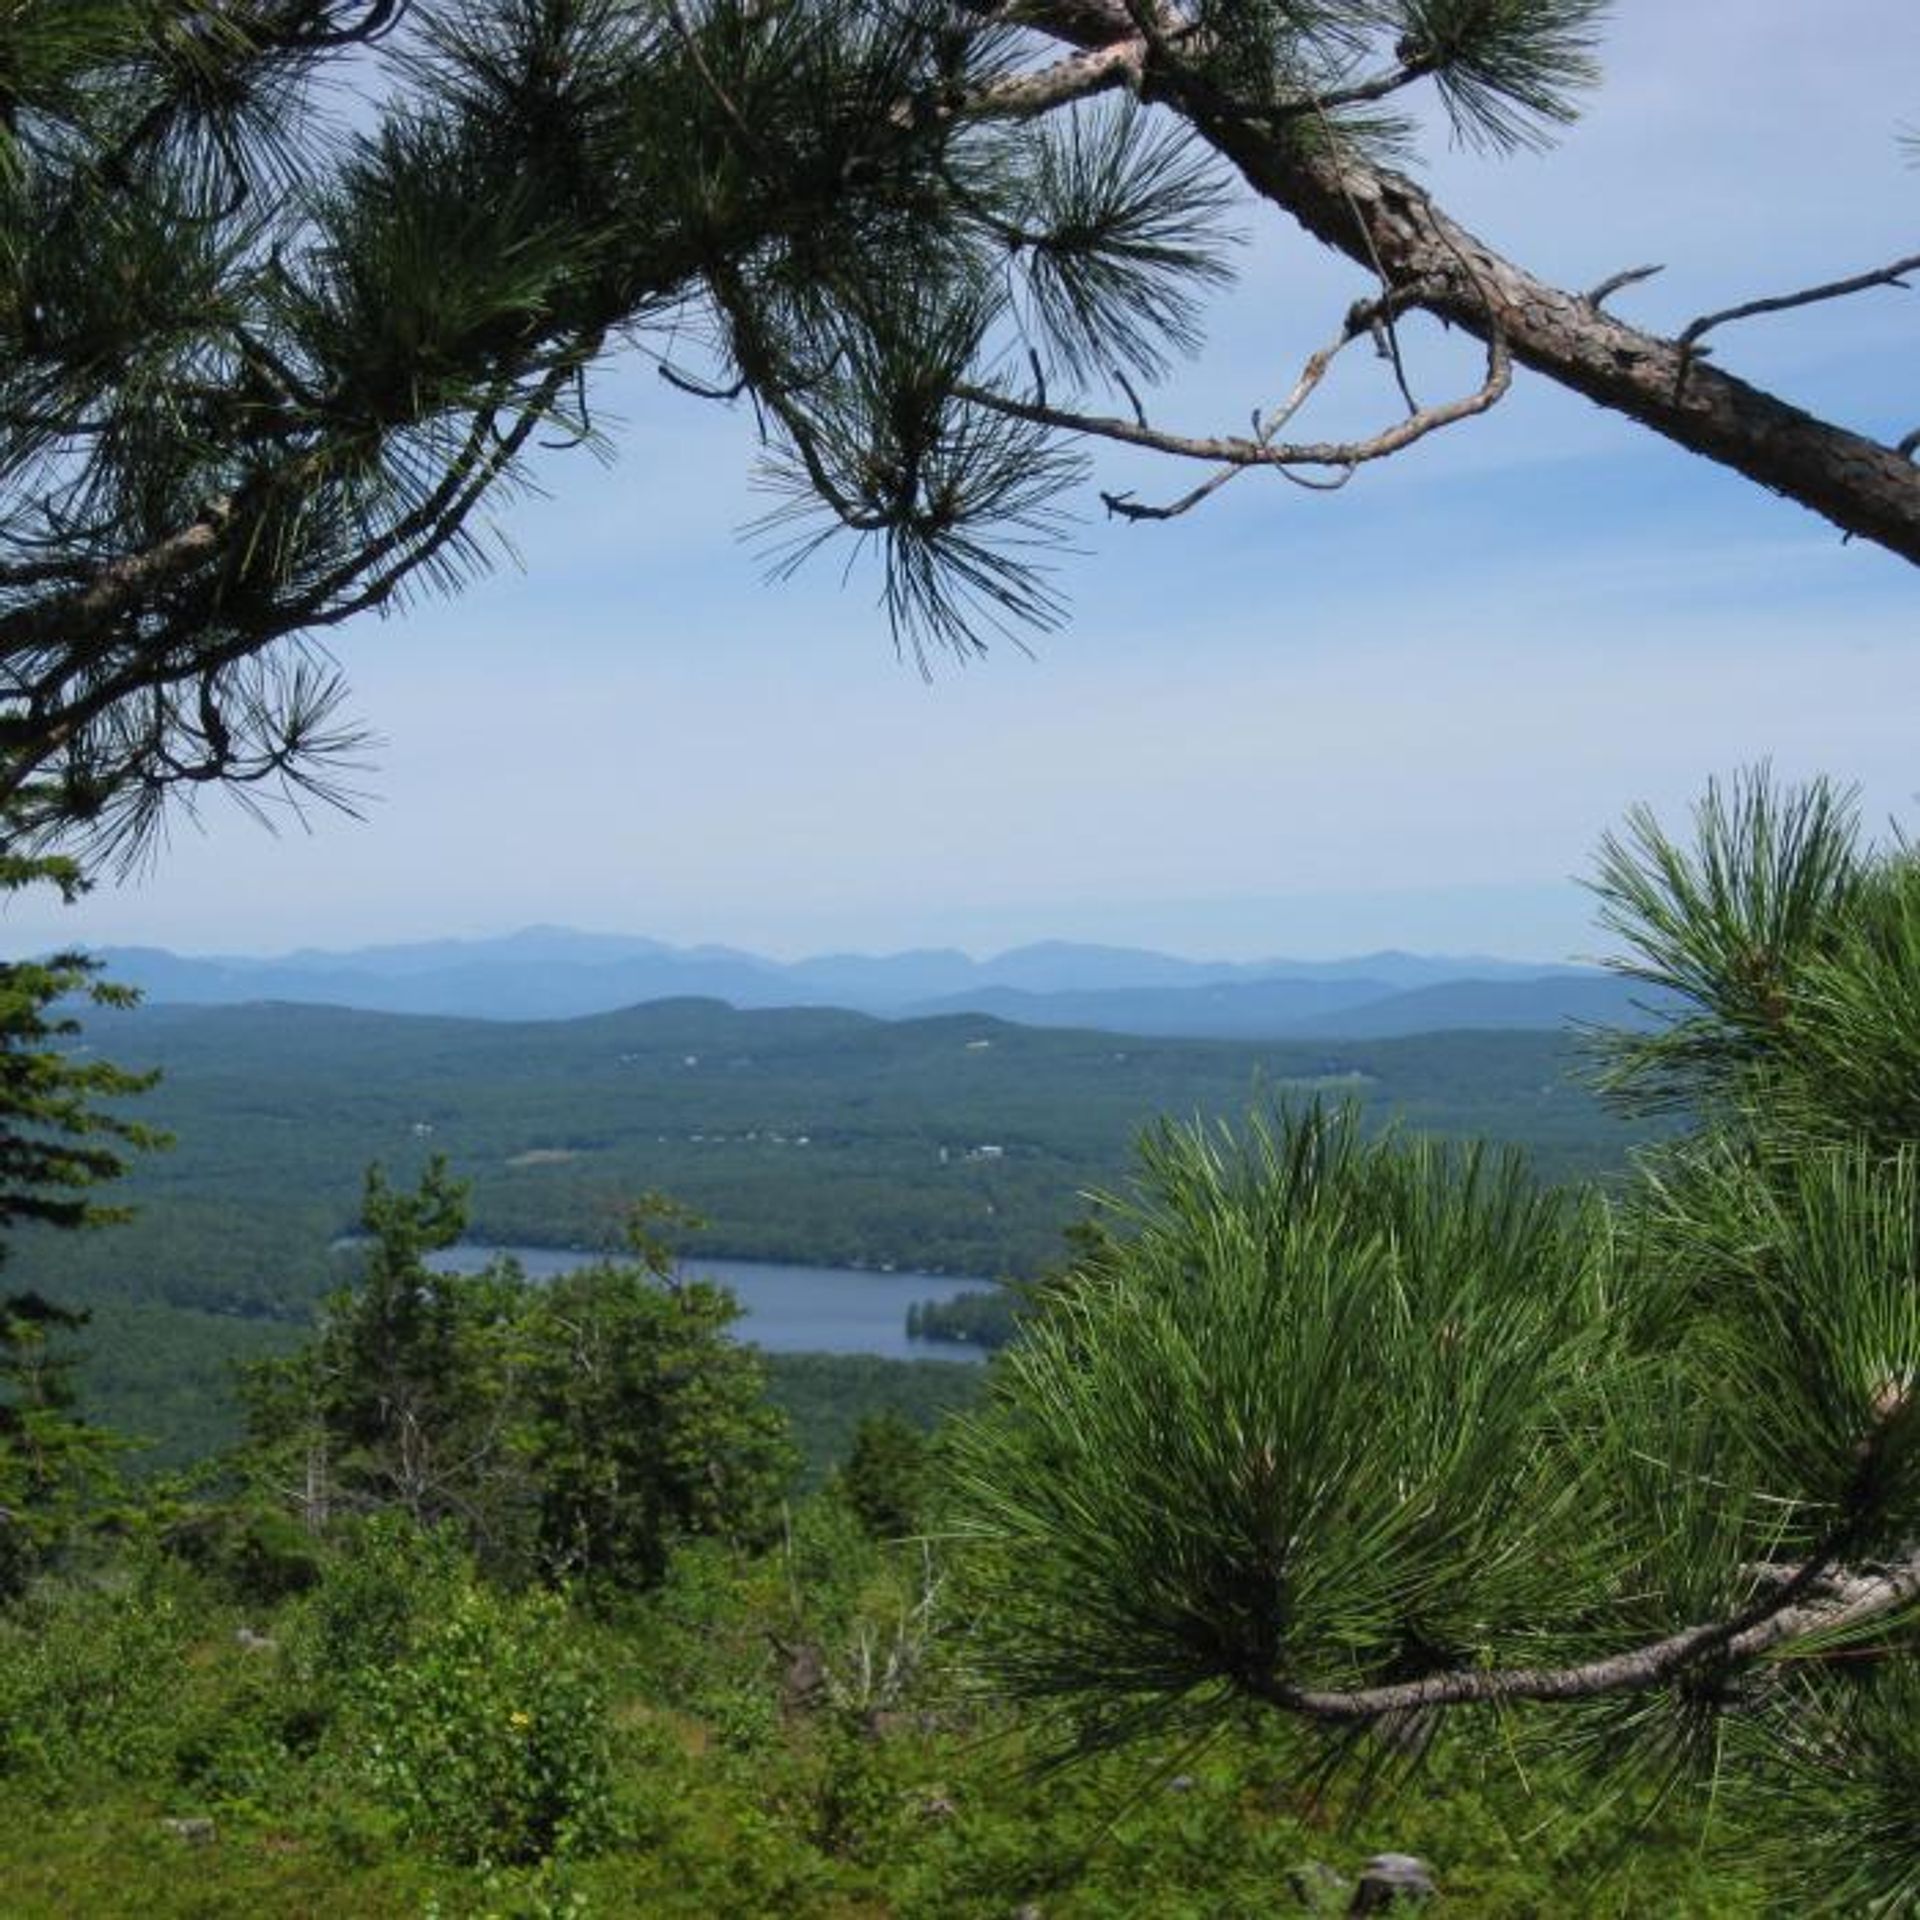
<point>89,1677</point>
<point>257,1555</point>
<point>488,1741</point>
<point>385,1580</point>
<point>885,1478</point>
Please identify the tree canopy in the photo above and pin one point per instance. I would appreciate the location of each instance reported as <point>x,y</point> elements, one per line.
<point>291,289</point>
<point>579,1430</point>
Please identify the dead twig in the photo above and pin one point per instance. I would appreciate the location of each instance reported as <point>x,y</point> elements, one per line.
<point>1889,276</point>
<point>1235,453</point>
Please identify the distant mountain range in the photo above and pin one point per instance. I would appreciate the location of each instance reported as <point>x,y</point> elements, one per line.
<point>551,973</point>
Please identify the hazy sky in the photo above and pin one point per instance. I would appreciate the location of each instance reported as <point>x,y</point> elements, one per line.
<point>1286,724</point>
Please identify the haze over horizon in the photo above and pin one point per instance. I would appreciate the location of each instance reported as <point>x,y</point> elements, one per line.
<point>1399,717</point>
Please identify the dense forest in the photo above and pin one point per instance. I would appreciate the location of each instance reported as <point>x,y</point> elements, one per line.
<point>960,1144</point>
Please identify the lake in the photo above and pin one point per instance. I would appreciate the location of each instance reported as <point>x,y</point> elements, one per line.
<point>786,1309</point>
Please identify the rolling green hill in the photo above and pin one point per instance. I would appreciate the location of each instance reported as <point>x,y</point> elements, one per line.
<point>958,1143</point>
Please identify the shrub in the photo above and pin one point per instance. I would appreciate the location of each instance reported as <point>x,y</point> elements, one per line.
<point>89,1677</point>
<point>385,1581</point>
<point>488,1740</point>
<point>885,1478</point>
<point>257,1555</point>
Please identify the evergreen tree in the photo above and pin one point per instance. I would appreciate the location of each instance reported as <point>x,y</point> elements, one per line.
<point>57,1144</point>
<point>263,362</point>
<point>647,1425</point>
<point>579,1428</point>
<point>53,1466</point>
<point>885,1480</point>
<point>408,1396</point>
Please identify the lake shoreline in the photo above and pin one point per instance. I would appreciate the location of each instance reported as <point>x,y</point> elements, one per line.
<point>786,1306</point>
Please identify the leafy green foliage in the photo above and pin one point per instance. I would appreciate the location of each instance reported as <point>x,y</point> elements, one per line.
<point>729,1787</point>
<point>488,1739</point>
<point>86,1678</point>
<point>826,1396</point>
<point>252,1554</point>
<point>386,1583</point>
<point>578,1430</point>
<point>885,1480</point>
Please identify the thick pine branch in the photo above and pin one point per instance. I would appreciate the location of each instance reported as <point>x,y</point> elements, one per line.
<point>1389,225</point>
<point>1813,1604</point>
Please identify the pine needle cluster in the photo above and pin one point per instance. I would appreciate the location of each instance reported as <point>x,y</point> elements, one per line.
<point>293,291</point>
<point>1375,1434</point>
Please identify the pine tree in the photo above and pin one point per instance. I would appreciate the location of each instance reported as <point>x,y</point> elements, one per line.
<point>57,1144</point>
<point>290,289</point>
<point>579,1429</point>
<point>54,1467</point>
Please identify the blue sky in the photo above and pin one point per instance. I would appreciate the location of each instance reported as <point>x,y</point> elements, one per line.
<point>1286,724</point>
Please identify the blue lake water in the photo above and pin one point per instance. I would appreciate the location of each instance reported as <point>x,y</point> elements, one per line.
<point>786,1309</point>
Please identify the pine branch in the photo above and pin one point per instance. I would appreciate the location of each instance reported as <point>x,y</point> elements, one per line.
<point>1843,1603</point>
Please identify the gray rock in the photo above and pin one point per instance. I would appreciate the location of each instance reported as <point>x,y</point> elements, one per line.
<point>1388,1878</point>
<point>195,1833</point>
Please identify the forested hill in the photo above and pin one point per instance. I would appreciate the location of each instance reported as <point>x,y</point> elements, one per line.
<point>957,1143</point>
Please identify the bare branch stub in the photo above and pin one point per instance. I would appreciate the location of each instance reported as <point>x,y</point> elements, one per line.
<point>1126,386</point>
<point>1597,297</point>
<point>1233,454</point>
